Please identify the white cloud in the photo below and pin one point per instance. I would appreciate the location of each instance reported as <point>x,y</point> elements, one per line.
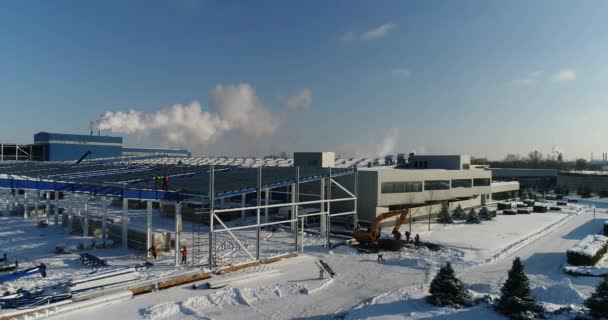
<point>564,74</point>
<point>401,72</point>
<point>378,32</point>
<point>530,79</point>
<point>301,100</point>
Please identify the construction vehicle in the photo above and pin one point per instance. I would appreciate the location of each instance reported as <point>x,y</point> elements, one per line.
<point>371,236</point>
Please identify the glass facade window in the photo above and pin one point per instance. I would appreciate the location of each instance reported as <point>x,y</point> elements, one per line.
<point>462,183</point>
<point>481,182</point>
<point>437,185</point>
<point>401,187</point>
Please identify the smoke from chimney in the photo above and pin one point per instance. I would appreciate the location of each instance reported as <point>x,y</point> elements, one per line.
<point>232,108</point>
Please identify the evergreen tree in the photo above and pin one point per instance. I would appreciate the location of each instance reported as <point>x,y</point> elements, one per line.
<point>444,214</point>
<point>447,290</point>
<point>516,300</point>
<point>473,217</point>
<point>459,214</point>
<point>484,214</point>
<point>598,302</point>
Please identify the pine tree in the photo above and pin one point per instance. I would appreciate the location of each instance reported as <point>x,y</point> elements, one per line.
<point>459,214</point>
<point>598,302</point>
<point>472,217</point>
<point>516,300</point>
<point>444,214</point>
<point>447,290</point>
<point>484,214</point>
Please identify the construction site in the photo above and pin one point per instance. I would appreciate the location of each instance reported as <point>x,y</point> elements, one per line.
<point>159,235</point>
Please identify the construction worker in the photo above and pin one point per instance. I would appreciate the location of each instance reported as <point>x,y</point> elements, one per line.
<point>166,182</point>
<point>184,254</point>
<point>417,241</point>
<point>381,258</point>
<point>42,269</point>
<point>157,181</point>
<point>154,251</point>
<point>407,236</point>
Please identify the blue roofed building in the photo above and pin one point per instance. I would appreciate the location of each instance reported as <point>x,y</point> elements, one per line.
<point>66,147</point>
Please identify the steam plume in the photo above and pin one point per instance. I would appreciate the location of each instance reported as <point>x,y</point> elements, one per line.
<point>233,108</point>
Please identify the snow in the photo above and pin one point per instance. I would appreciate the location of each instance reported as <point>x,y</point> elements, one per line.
<point>481,254</point>
<point>587,270</point>
<point>590,245</point>
<point>562,293</point>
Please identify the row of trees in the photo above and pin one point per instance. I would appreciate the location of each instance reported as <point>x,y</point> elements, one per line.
<point>472,217</point>
<point>516,300</point>
<point>536,159</point>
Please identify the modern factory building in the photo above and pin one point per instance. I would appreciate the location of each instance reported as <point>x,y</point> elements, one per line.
<point>72,147</point>
<point>427,180</point>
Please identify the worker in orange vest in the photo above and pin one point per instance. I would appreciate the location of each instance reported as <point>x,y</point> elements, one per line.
<point>184,254</point>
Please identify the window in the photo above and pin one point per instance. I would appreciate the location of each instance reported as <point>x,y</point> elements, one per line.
<point>461,183</point>
<point>401,187</point>
<point>426,164</point>
<point>465,166</point>
<point>481,182</point>
<point>437,185</point>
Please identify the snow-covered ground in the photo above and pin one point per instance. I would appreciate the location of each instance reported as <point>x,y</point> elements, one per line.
<point>363,288</point>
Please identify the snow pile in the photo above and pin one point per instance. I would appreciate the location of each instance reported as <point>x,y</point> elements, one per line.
<point>562,293</point>
<point>587,271</point>
<point>161,311</point>
<point>410,303</point>
<point>590,245</point>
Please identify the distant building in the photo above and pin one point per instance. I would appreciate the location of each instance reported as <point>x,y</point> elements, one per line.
<point>71,147</point>
<point>596,181</point>
<point>538,179</point>
<point>66,147</point>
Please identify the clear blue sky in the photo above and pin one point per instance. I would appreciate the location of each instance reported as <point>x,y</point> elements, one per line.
<point>478,77</point>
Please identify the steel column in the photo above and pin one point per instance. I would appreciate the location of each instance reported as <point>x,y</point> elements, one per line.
<point>85,228</point>
<point>57,208</point>
<point>243,204</point>
<point>211,212</point>
<point>25,209</point>
<point>322,218</point>
<point>328,224</point>
<point>36,204</point>
<point>266,202</point>
<point>71,213</point>
<point>47,210</point>
<point>125,223</point>
<point>259,202</point>
<point>104,218</point>
<point>148,226</point>
<point>178,232</point>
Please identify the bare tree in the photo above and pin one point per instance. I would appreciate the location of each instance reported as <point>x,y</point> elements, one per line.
<point>535,157</point>
<point>511,157</point>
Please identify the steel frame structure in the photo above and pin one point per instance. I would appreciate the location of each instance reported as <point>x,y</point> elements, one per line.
<point>216,224</point>
<point>324,214</point>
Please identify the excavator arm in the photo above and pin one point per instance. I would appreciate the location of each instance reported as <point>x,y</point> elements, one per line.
<point>372,234</point>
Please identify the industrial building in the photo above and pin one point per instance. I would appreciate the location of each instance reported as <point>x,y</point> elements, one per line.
<point>595,181</point>
<point>537,179</point>
<point>72,147</point>
<point>427,180</point>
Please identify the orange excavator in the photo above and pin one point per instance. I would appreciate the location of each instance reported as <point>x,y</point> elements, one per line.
<point>371,236</point>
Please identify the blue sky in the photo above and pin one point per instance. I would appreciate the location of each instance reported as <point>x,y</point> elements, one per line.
<point>478,77</point>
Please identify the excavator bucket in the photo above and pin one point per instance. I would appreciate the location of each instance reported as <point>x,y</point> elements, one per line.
<point>397,235</point>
